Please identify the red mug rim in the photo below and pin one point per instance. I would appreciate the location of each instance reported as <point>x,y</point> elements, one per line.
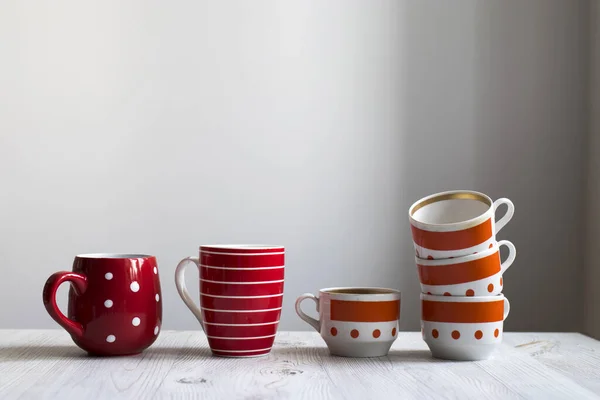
<point>242,246</point>
<point>114,256</point>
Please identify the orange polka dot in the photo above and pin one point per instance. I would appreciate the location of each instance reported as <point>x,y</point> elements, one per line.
<point>475,253</point>
<point>429,293</point>
<point>435,333</point>
<point>394,332</point>
<point>430,257</point>
<point>447,294</point>
<point>354,333</point>
<point>470,293</point>
<point>376,333</point>
<point>455,335</point>
<point>478,335</point>
<point>333,331</point>
<point>501,281</point>
<point>496,333</point>
<point>491,287</point>
<point>491,245</point>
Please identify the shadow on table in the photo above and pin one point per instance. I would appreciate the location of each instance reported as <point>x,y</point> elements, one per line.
<point>323,353</point>
<point>411,356</point>
<point>178,352</point>
<point>23,353</point>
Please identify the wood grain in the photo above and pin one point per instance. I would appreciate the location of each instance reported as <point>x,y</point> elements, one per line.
<point>47,365</point>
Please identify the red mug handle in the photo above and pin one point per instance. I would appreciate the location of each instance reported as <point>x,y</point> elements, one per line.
<point>79,283</point>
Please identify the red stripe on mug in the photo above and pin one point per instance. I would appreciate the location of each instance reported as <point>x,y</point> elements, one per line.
<point>241,344</point>
<point>241,275</point>
<point>462,312</point>
<point>237,303</point>
<point>238,318</point>
<point>452,274</point>
<point>240,331</point>
<point>242,249</point>
<point>240,289</point>
<point>242,261</point>
<point>453,240</point>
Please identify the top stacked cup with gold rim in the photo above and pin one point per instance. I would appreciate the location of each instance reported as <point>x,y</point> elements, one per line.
<point>457,255</point>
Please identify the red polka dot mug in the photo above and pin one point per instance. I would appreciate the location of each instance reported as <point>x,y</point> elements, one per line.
<point>115,304</point>
<point>355,322</point>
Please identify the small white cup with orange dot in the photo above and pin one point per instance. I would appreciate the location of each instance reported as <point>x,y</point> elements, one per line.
<point>355,321</point>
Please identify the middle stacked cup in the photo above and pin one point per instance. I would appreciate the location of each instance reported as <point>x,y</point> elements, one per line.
<point>461,272</point>
<point>474,275</point>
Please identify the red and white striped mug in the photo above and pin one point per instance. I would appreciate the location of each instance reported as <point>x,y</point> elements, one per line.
<point>241,293</point>
<point>456,223</point>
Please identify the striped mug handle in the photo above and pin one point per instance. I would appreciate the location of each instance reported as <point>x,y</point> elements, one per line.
<point>182,290</point>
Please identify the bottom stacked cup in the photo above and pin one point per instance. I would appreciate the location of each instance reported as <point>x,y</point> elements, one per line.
<point>463,328</point>
<point>463,310</point>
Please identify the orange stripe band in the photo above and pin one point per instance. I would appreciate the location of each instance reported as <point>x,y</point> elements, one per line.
<point>438,311</point>
<point>453,274</point>
<point>365,311</point>
<point>453,240</point>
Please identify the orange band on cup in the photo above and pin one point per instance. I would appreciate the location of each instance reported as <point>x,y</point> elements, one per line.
<point>453,274</point>
<point>453,240</point>
<point>365,311</point>
<point>471,312</point>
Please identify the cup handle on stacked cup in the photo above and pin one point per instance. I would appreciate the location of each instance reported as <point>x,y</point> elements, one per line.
<point>313,322</point>
<point>506,308</point>
<point>509,213</point>
<point>512,254</point>
<point>182,290</point>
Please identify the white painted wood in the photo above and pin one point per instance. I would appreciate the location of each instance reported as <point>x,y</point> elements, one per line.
<point>47,365</point>
<point>571,354</point>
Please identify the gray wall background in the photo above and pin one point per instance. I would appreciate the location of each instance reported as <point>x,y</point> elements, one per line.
<point>592,263</point>
<point>142,126</point>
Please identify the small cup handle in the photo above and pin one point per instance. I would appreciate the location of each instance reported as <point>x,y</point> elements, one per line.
<point>182,290</point>
<point>509,213</point>
<point>506,308</point>
<point>310,320</point>
<point>512,254</point>
<point>79,284</point>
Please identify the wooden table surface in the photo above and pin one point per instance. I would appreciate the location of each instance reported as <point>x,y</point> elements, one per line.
<point>45,364</point>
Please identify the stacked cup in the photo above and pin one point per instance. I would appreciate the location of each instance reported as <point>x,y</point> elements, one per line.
<point>461,273</point>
